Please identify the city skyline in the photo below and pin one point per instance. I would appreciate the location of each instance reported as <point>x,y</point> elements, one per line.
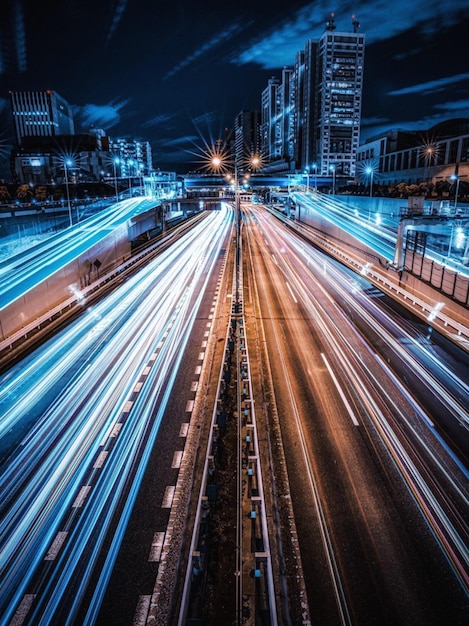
<point>178,76</point>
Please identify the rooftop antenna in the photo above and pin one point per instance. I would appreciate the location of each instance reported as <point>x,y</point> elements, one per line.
<point>355,23</point>
<point>331,23</point>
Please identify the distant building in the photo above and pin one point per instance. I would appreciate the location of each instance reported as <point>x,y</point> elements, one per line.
<point>270,111</point>
<point>40,114</point>
<point>311,118</point>
<point>246,138</point>
<point>330,113</point>
<point>47,149</point>
<point>133,158</point>
<point>42,160</point>
<point>434,156</point>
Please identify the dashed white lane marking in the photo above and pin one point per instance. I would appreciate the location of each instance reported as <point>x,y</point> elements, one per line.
<point>177,459</point>
<point>115,429</point>
<point>203,344</point>
<point>198,370</point>
<point>56,545</point>
<point>22,610</point>
<point>156,547</point>
<point>183,430</point>
<point>100,460</point>
<point>137,387</point>
<point>291,293</point>
<point>341,393</point>
<point>81,497</point>
<point>189,406</point>
<point>128,406</point>
<point>146,370</point>
<point>209,324</point>
<point>201,356</point>
<point>194,386</point>
<point>141,611</point>
<point>168,497</point>
<point>206,333</point>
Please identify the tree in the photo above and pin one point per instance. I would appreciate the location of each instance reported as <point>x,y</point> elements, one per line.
<point>24,193</point>
<point>40,193</point>
<point>4,194</point>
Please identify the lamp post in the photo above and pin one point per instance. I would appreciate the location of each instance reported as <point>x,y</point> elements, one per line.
<point>130,163</point>
<point>428,159</point>
<point>332,169</point>
<point>115,162</point>
<point>456,178</point>
<point>307,179</point>
<point>369,171</point>
<point>315,170</point>
<point>68,162</point>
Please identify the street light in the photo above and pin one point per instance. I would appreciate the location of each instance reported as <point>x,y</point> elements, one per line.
<point>307,179</point>
<point>315,170</point>
<point>115,162</point>
<point>130,163</point>
<point>428,159</point>
<point>456,178</point>
<point>68,162</point>
<point>369,170</point>
<point>332,169</point>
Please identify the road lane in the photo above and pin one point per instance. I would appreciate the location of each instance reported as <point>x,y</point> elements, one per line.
<point>366,489</point>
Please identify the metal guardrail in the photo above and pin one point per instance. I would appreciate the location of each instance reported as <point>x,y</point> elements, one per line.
<point>231,492</point>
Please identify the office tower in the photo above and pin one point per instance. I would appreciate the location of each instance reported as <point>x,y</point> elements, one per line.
<point>270,107</point>
<point>337,100</point>
<point>246,138</point>
<point>40,114</point>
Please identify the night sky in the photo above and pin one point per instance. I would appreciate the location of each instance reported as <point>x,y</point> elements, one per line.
<point>175,73</point>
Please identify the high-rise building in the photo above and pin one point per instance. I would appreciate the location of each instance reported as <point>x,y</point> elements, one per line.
<point>134,158</point>
<point>40,114</point>
<point>333,78</point>
<point>311,118</point>
<point>246,138</point>
<point>270,107</point>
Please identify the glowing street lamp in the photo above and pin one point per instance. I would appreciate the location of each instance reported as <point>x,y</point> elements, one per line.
<point>456,178</point>
<point>429,151</point>
<point>68,163</point>
<point>130,163</point>
<point>315,170</point>
<point>115,162</point>
<point>332,169</point>
<point>307,179</point>
<point>369,170</point>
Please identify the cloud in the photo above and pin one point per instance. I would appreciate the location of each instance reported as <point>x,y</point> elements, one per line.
<point>100,115</point>
<point>159,120</point>
<point>430,86</point>
<point>380,20</point>
<point>20,37</point>
<point>221,37</point>
<point>373,121</point>
<point>460,108</point>
<point>120,7</point>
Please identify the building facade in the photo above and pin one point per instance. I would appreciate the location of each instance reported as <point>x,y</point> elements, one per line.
<point>246,138</point>
<point>336,102</point>
<point>437,156</point>
<point>311,118</point>
<point>40,114</point>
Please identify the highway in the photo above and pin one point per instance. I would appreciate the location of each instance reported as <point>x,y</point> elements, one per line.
<point>372,407</point>
<point>80,419</point>
<point>375,438</point>
<point>22,272</point>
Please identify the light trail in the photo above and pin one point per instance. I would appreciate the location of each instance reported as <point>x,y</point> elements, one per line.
<point>77,388</point>
<point>433,490</point>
